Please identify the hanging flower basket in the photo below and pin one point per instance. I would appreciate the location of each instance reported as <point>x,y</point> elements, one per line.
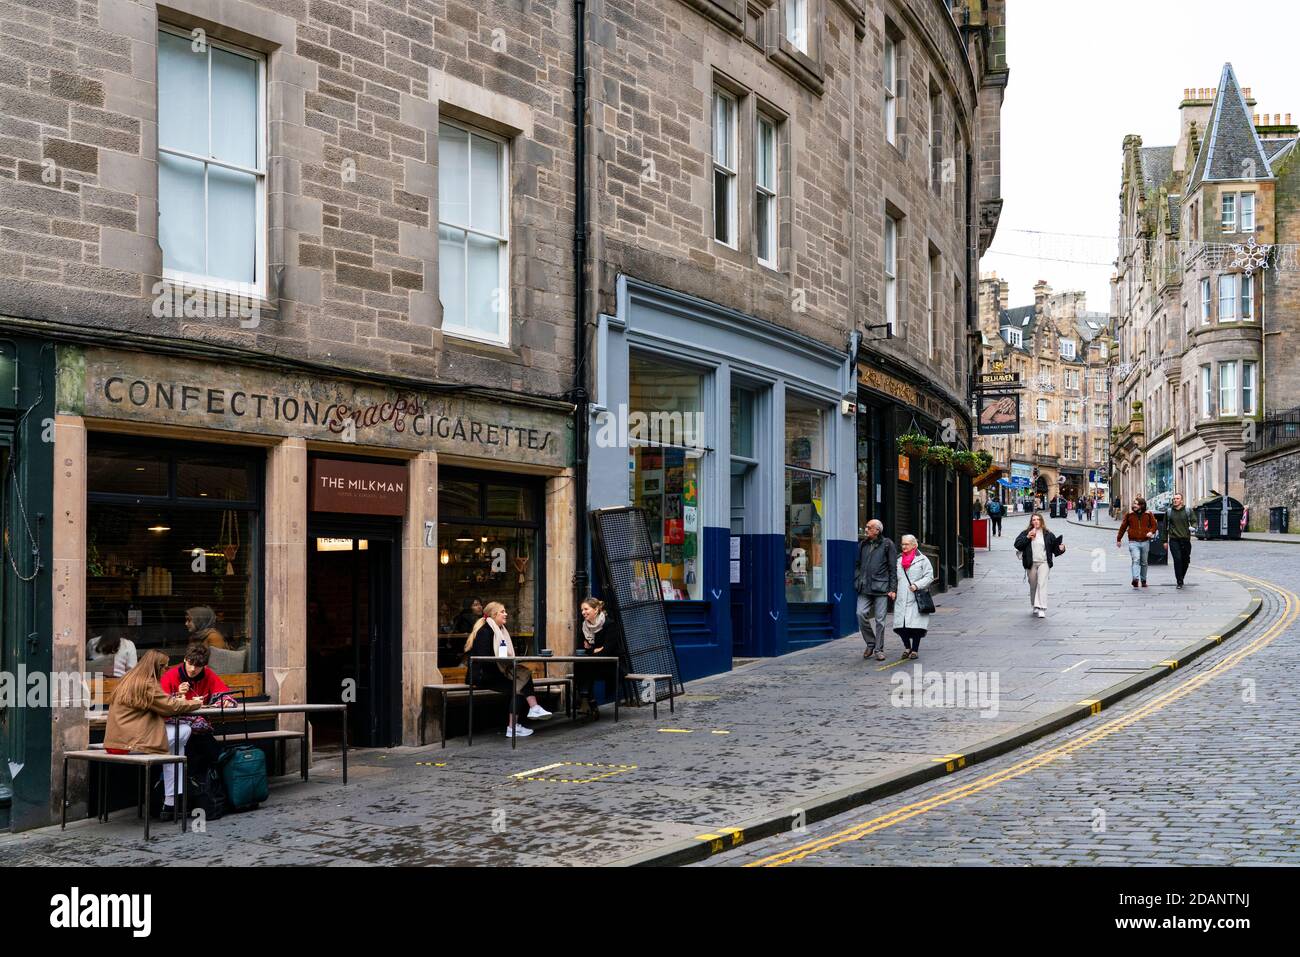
<point>968,462</point>
<point>913,443</point>
<point>940,455</point>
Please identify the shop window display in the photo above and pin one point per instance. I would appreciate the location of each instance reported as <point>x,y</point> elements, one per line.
<point>168,531</point>
<point>805,501</point>
<point>488,542</point>
<point>664,470</point>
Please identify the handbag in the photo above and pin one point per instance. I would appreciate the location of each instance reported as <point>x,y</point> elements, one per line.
<point>924,600</point>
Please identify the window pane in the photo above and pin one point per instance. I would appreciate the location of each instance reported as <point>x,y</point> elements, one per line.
<point>510,502</point>
<point>485,299</point>
<point>805,434</point>
<point>721,206</point>
<point>766,159</point>
<point>214,478</point>
<point>234,108</point>
<point>232,225</point>
<point>126,472</point>
<point>182,95</point>
<point>663,403</point>
<point>453,175</point>
<point>805,568</point>
<point>459,499</point>
<point>891,53</point>
<point>665,483</point>
<point>476,555</point>
<point>742,422</point>
<point>485,186</point>
<point>722,145</point>
<point>451,276</point>
<point>891,242</point>
<point>180,214</point>
<point>763,226</point>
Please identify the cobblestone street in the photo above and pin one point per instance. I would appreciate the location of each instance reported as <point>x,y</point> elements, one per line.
<point>775,735</point>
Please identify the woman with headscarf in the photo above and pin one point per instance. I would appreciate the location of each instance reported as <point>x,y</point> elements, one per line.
<point>137,713</point>
<point>201,623</point>
<point>489,638</point>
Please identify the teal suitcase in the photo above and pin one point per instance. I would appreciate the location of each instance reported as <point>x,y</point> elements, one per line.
<point>243,771</point>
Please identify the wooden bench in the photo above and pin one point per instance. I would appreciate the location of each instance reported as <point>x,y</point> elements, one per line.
<point>654,700</point>
<point>145,763</point>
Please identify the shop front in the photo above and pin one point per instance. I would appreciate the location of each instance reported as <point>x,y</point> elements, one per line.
<point>731,434</point>
<point>322,536</point>
<point>907,494</point>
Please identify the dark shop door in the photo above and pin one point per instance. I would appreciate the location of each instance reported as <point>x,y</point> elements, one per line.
<point>354,631</point>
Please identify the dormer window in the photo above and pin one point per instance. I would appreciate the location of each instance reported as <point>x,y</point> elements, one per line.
<point>1067,349</point>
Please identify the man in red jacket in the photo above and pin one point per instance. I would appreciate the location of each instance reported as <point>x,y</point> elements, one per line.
<point>194,680</point>
<point>1141,528</point>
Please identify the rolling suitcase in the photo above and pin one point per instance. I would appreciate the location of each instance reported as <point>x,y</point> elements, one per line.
<point>243,772</point>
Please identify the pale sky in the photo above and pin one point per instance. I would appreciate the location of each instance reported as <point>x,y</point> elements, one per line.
<point>1083,76</point>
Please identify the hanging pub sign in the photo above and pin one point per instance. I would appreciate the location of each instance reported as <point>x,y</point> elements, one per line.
<point>998,380</point>
<point>357,488</point>
<point>997,413</point>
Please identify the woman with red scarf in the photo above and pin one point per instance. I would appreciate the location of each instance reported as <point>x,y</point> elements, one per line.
<point>914,573</point>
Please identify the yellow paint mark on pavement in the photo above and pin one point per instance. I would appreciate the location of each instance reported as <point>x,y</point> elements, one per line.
<point>1092,704</point>
<point>676,731</point>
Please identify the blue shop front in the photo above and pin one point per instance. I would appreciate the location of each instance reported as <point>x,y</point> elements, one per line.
<point>735,436</point>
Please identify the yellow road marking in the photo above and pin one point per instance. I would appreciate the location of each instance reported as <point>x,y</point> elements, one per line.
<point>900,661</point>
<point>858,831</point>
<point>1171,664</point>
<point>431,764</point>
<point>614,769</point>
<point>676,731</point>
<point>544,767</point>
<point>1092,704</point>
<point>719,732</point>
<point>718,842</point>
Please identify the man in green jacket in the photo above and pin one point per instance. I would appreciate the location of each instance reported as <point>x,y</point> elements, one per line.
<point>1178,529</point>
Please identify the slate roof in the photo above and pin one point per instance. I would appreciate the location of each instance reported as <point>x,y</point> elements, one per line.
<point>1100,319</point>
<point>1175,213</point>
<point>1023,318</point>
<point>1273,147</point>
<point>1157,164</point>
<point>1231,144</point>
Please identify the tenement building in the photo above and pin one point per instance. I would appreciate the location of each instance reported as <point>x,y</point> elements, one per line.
<point>1057,350</point>
<point>336,318</point>
<point>1203,298</point>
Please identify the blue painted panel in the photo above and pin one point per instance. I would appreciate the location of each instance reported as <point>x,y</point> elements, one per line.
<point>809,624</point>
<point>842,557</point>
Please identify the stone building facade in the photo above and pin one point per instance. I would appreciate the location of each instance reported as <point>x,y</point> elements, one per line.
<point>1202,298</point>
<point>1060,352</point>
<point>253,240</point>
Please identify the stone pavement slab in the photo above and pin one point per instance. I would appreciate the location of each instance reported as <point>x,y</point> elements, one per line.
<point>760,740</point>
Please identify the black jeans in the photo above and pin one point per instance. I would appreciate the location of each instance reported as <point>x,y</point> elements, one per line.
<point>911,637</point>
<point>1181,550</point>
<point>997,524</point>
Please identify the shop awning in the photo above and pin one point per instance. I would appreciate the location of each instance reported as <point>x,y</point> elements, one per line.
<point>989,477</point>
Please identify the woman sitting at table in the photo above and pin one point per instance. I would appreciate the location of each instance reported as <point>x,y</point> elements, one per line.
<point>468,616</point>
<point>137,710</point>
<point>201,623</point>
<point>193,680</point>
<point>487,638</point>
<point>600,636</point>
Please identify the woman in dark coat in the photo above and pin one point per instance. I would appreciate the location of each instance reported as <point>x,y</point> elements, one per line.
<point>488,635</point>
<point>600,636</point>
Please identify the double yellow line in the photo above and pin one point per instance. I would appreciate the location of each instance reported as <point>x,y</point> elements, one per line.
<point>1291,611</point>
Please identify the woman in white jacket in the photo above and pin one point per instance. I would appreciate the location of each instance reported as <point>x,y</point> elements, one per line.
<point>914,572</point>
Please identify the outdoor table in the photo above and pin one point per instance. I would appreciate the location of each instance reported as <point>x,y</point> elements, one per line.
<point>254,711</point>
<point>514,670</point>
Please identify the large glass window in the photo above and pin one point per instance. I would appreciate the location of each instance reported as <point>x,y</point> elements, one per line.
<point>806,461</point>
<point>211,162</point>
<point>169,529</point>
<point>1248,388</point>
<point>1227,388</point>
<point>891,274</point>
<point>665,434</point>
<point>473,239</point>
<point>488,550</point>
<point>1227,298</point>
<point>765,211</point>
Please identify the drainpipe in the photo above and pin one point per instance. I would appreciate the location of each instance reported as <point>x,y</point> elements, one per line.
<point>580,436</point>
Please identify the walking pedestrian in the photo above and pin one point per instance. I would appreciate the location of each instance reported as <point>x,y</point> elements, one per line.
<point>1088,507</point>
<point>1037,547</point>
<point>995,516</point>
<point>975,508</point>
<point>1141,528</point>
<point>1078,510</point>
<point>1178,528</point>
<point>876,582</point>
<point>910,623</point>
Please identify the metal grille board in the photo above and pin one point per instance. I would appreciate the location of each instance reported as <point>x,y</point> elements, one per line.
<point>629,579</point>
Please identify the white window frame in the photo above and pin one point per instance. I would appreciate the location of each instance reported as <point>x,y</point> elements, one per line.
<point>1246,201</point>
<point>797,24</point>
<point>765,193</point>
<point>1014,336</point>
<point>1042,410</point>
<point>891,273</point>
<point>1207,299</point>
<point>258,288</point>
<point>890,64</point>
<point>1207,385</point>
<point>1229,391</point>
<point>728,165</point>
<point>1228,212</point>
<point>1071,377</point>
<point>1246,297</point>
<point>1067,348</point>
<point>1249,370</point>
<point>503,239</point>
<point>1228,282</point>
<point>932,302</point>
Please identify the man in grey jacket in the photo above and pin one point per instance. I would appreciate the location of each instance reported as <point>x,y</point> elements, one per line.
<point>876,582</point>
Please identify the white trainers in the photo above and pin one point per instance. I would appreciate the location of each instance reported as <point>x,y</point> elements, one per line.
<point>518,731</point>
<point>1039,613</point>
<point>537,711</point>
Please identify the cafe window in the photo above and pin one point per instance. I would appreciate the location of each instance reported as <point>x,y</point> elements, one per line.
<point>489,549</point>
<point>665,452</point>
<point>806,484</point>
<point>170,528</point>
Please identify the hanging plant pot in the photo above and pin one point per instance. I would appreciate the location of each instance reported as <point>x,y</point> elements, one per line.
<point>913,444</point>
<point>967,462</point>
<point>941,455</point>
